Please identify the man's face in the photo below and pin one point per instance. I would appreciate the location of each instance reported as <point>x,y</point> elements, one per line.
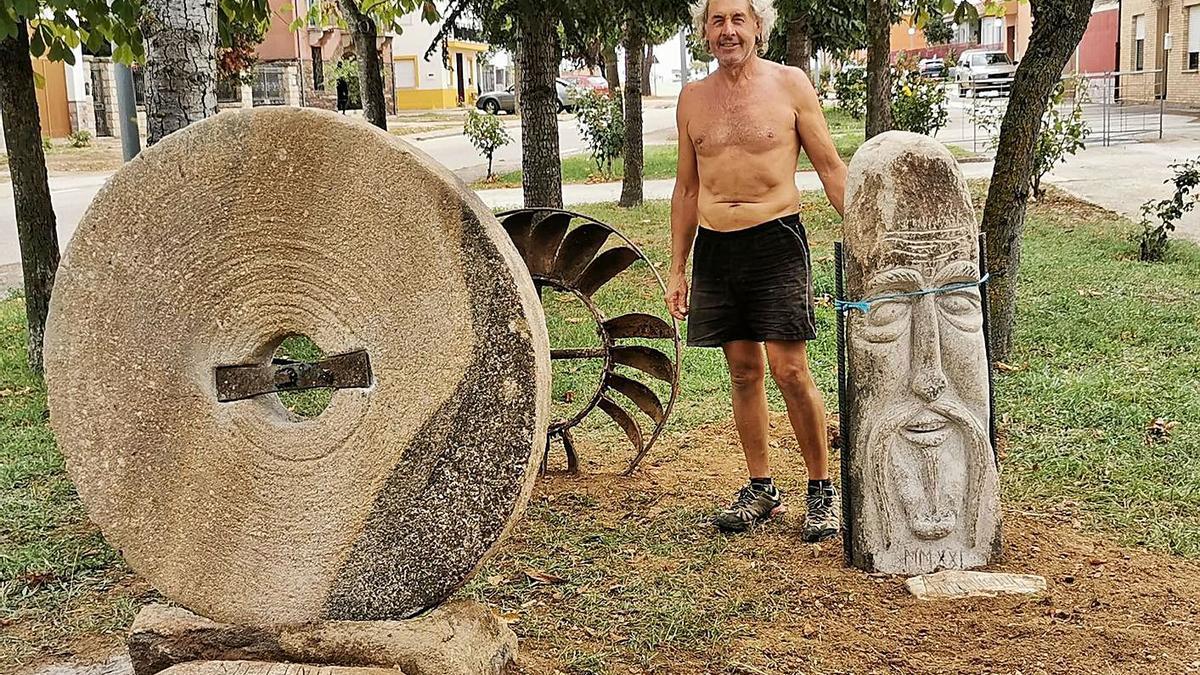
<point>731,31</point>
<point>929,394</point>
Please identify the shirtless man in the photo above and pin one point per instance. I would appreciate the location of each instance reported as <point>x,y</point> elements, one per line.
<point>741,130</point>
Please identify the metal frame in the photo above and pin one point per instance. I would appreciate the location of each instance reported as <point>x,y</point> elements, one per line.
<point>577,265</point>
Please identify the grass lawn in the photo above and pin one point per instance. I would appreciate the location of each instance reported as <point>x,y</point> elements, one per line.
<point>1105,346</point>
<point>660,160</point>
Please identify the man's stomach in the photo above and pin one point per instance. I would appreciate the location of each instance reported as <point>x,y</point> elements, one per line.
<point>727,212</point>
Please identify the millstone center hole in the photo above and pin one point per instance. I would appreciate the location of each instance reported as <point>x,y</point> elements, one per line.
<point>307,403</point>
<point>571,325</point>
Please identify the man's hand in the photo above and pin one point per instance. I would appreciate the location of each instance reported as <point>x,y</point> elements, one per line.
<point>677,296</point>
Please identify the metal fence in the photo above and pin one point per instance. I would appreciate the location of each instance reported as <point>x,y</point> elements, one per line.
<point>269,85</point>
<point>1119,107</point>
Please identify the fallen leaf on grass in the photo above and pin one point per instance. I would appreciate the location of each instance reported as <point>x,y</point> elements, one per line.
<point>539,577</point>
<point>1008,367</point>
<point>1159,430</point>
<point>496,580</point>
<point>574,319</point>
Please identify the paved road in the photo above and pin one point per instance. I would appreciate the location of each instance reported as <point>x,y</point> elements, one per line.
<point>72,193</point>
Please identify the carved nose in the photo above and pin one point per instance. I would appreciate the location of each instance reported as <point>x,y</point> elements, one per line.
<point>928,378</point>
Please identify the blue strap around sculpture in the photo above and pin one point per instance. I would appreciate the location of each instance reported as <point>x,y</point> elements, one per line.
<point>864,305</point>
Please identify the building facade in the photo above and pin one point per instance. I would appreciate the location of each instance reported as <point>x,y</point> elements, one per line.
<point>1159,45</point>
<point>1097,51</point>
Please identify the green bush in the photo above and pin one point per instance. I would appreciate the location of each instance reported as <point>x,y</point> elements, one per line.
<point>487,134</point>
<point>602,125</point>
<point>47,144</point>
<point>850,87</point>
<point>1062,133</point>
<point>918,103</point>
<point>80,139</point>
<point>1159,216</point>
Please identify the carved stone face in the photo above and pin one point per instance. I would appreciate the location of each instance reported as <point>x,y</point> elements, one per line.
<point>921,452</point>
<point>930,396</point>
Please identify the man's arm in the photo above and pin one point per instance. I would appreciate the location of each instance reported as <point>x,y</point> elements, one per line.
<point>684,212</point>
<point>818,144</point>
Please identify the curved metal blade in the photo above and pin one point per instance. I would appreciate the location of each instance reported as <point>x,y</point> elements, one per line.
<point>623,419</point>
<point>650,361</point>
<point>544,241</point>
<point>639,393</point>
<point>578,249</point>
<point>606,266</point>
<point>637,325</point>
<point>518,226</point>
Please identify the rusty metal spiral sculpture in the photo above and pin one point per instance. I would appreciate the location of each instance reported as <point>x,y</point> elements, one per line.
<point>566,251</point>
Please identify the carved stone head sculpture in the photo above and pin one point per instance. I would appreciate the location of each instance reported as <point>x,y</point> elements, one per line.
<point>923,475</point>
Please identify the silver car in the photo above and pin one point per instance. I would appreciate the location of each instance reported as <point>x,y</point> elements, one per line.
<point>982,70</point>
<point>496,101</point>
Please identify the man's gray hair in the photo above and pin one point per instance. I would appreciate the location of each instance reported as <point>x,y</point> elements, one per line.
<point>764,11</point>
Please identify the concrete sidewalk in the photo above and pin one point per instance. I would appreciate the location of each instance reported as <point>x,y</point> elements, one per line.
<point>590,193</point>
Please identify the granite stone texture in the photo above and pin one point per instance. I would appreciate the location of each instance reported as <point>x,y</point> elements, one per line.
<point>208,250</point>
<point>923,477</point>
<point>457,638</point>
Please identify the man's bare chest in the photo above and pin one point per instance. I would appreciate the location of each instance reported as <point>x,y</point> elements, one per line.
<point>747,126</point>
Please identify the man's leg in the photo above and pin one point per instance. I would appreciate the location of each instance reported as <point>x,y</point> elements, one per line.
<point>806,411</point>
<point>747,376</point>
<point>760,499</point>
<point>805,407</point>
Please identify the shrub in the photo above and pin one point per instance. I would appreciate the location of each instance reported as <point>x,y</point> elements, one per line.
<point>850,87</point>
<point>1062,134</point>
<point>47,144</point>
<point>602,125</point>
<point>80,139</point>
<point>1159,216</point>
<point>918,103</point>
<point>487,134</point>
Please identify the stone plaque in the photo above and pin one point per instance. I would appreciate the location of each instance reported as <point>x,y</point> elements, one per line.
<point>207,251</point>
<point>923,486</point>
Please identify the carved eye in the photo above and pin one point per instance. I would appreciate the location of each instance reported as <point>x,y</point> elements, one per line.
<point>962,309</point>
<point>887,320</point>
<point>886,312</point>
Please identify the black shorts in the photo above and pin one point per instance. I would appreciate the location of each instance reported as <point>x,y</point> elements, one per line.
<point>752,284</point>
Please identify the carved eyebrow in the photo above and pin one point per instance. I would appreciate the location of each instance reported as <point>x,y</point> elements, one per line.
<point>958,271</point>
<point>899,279</point>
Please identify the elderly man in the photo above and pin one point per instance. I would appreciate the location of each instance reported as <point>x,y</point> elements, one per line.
<point>741,130</point>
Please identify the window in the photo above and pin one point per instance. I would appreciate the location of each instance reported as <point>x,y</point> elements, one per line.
<point>318,68</point>
<point>1139,42</point>
<point>1193,35</point>
<point>406,73</point>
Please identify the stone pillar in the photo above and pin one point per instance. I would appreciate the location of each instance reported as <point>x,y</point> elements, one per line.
<point>247,96</point>
<point>292,78</point>
<point>923,482</point>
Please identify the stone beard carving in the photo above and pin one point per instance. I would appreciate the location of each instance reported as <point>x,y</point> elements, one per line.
<point>924,479</point>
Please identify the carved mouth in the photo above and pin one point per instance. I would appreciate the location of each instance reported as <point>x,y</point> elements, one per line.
<point>926,430</point>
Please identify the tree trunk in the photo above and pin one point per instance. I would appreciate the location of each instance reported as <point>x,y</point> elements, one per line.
<point>611,71</point>
<point>370,71</point>
<point>1057,29</point>
<point>879,74</point>
<point>799,45</point>
<point>517,79</point>
<point>31,190</point>
<point>631,184</point>
<point>181,64</point>
<point>647,63</point>
<point>541,167</point>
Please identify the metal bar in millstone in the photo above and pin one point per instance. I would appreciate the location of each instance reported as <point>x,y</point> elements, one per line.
<point>344,371</point>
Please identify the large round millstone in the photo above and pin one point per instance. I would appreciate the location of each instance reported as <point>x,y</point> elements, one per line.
<point>208,251</point>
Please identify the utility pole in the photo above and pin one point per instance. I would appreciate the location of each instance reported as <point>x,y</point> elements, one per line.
<point>685,60</point>
<point>131,140</point>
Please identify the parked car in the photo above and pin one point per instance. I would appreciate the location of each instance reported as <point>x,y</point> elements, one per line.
<point>594,82</point>
<point>932,67</point>
<point>983,69</point>
<point>496,101</point>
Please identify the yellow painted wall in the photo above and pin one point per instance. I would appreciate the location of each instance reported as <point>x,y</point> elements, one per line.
<point>426,99</point>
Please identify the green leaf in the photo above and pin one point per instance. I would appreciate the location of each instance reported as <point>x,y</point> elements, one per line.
<point>37,44</point>
<point>38,80</point>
